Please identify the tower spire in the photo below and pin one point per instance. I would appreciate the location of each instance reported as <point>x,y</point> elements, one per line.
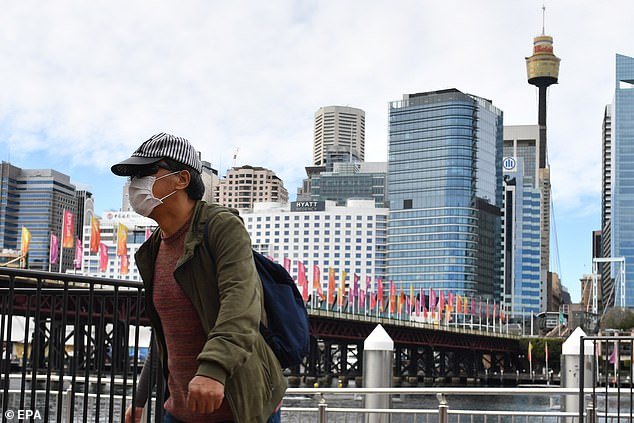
<point>543,19</point>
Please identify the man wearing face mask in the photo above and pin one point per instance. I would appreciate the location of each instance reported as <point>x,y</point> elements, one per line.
<point>205,305</point>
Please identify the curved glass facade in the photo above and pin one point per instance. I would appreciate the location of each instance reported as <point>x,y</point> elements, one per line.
<point>445,192</point>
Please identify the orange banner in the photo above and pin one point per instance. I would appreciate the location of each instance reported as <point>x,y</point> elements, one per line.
<point>342,289</point>
<point>25,241</point>
<point>68,230</point>
<point>122,240</point>
<point>95,235</point>
<point>331,285</point>
<point>124,265</point>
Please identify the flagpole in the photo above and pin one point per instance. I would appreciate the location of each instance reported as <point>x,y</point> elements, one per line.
<point>61,241</point>
<point>50,245</point>
<point>546,356</point>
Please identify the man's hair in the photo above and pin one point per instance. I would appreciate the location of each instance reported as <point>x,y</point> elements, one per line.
<point>196,189</point>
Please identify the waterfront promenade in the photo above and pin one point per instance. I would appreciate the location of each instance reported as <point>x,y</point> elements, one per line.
<point>79,351</point>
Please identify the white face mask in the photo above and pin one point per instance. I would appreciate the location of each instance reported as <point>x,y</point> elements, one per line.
<point>142,198</point>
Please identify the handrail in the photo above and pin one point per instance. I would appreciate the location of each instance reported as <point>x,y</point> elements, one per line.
<point>68,277</point>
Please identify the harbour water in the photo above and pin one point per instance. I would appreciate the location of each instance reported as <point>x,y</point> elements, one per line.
<point>110,408</point>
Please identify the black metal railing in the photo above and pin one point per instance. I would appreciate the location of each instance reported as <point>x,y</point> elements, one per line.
<point>72,347</point>
<point>606,373</point>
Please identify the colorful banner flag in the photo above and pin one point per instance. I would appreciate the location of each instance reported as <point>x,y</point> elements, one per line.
<point>530,352</point>
<point>68,230</point>
<point>301,280</point>
<point>441,302</point>
<point>361,298</point>
<point>373,301</point>
<point>331,285</point>
<point>401,301</point>
<point>53,249</point>
<point>25,241</point>
<point>79,253</point>
<point>432,299</point>
<point>379,293</point>
<point>124,265</point>
<point>95,235</point>
<point>392,297</point>
<point>103,257</point>
<point>317,281</point>
<point>122,240</point>
<point>342,289</point>
<point>412,300</point>
<point>612,358</point>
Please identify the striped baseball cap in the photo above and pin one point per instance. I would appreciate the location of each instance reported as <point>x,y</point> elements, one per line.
<point>158,147</point>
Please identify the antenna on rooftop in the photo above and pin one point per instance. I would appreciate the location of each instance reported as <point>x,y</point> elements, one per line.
<point>235,156</point>
<point>543,19</point>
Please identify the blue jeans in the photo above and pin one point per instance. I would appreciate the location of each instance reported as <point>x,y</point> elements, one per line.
<point>275,418</point>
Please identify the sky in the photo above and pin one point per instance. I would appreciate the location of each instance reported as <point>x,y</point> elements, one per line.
<point>82,84</point>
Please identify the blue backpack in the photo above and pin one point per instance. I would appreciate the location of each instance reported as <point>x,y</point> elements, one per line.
<point>288,332</point>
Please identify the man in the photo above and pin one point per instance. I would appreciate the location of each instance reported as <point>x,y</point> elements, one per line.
<point>205,305</point>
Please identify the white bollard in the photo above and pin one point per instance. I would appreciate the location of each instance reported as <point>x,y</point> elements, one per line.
<point>378,356</point>
<point>570,372</point>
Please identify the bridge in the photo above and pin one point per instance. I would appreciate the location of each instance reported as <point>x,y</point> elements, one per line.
<point>99,314</point>
<point>79,348</point>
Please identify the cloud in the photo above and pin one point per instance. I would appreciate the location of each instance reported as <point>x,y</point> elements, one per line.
<point>92,80</point>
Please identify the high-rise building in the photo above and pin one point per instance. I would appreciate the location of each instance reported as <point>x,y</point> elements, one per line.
<point>210,181</point>
<point>245,185</point>
<point>604,296</point>
<point>35,199</point>
<point>622,193</point>
<point>522,291</point>
<point>445,193</point>
<point>524,288</point>
<point>339,130</point>
<point>357,181</point>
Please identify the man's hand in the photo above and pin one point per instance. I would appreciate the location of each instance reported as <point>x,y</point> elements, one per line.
<point>204,395</point>
<point>137,414</point>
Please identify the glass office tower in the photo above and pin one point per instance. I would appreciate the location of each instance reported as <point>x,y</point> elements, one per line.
<point>445,193</point>
<point>35,199</point>
<point>622,224</point>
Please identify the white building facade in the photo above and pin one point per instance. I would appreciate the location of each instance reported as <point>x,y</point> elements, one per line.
<point>137,229</point>
<point>349,238</point>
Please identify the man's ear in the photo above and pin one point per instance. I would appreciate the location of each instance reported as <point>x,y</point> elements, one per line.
<point>184,178</point>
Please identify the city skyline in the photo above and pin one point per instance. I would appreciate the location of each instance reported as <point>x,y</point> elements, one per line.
<point>80,93</point>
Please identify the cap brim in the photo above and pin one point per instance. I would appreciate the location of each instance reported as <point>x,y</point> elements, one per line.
<point>128,166</point>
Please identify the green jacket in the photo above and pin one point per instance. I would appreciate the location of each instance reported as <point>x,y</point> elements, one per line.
<point>227,294</point>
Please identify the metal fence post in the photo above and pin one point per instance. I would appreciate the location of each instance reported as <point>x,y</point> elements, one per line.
<point>591,413</point>
<point>322,410</point>
<point>443,409</point>
<point>69,403</point>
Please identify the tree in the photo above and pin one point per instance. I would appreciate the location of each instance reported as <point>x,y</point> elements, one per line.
<point>618,318</point>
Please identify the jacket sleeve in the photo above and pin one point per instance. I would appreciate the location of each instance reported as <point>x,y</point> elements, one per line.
<point>231,340</point>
